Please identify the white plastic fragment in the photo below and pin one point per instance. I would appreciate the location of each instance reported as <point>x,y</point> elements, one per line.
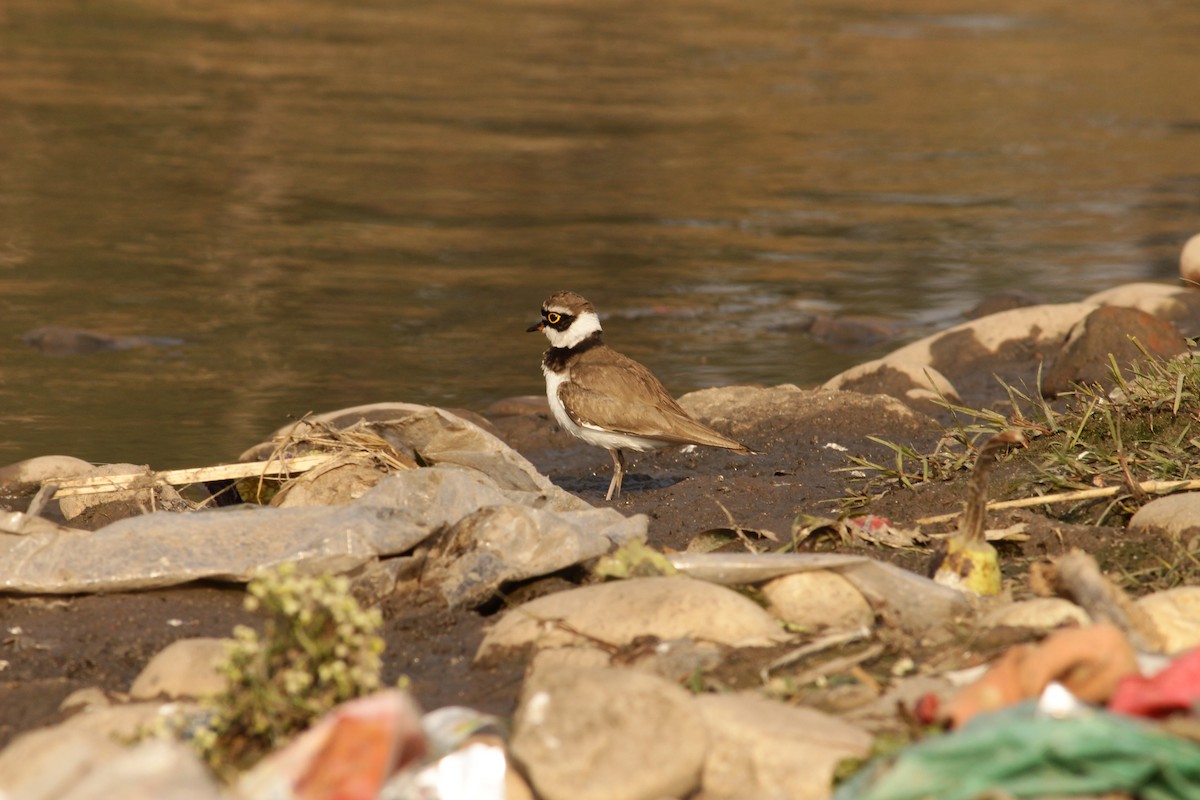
<point>910,601</point>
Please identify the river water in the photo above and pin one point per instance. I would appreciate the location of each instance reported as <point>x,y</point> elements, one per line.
<point>333,203</point>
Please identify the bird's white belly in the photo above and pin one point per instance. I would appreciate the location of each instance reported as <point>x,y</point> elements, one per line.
<point>592,434</point>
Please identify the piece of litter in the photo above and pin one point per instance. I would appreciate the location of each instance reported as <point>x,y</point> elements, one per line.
<point>1057,702</point>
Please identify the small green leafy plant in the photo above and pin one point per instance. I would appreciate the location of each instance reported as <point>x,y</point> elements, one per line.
<point>318,648</point>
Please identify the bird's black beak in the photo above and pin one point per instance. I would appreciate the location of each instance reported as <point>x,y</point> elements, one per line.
<point>536,327</point>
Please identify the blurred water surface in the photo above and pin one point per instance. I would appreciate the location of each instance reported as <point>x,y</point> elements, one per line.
<point>338,202</point>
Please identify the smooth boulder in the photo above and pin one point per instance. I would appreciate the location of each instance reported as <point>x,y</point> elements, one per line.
<point>618,612</point>
<point>760,748</point>
<point>608,734</point>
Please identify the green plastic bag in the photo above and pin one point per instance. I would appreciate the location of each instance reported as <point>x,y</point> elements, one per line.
<point>1020,753</point>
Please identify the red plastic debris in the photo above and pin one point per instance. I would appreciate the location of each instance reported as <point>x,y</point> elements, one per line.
<point>1175,688</point>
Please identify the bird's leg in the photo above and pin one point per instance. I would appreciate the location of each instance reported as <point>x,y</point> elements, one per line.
<point>614,486</point>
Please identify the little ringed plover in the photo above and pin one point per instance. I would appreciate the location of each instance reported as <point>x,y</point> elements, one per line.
<point>608,399</point>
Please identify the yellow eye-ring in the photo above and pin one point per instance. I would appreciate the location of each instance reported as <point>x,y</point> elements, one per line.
<point>553,317</point>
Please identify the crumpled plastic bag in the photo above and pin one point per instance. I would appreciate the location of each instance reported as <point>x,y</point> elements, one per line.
<point>1020,753</point>
<point>164,549</point>
<point>509,543</point>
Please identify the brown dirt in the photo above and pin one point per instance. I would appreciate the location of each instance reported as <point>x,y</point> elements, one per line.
<point>50,647</point>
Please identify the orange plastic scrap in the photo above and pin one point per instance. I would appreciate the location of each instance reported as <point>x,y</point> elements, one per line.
<point>347,755</point>
<point>1175,688</point>
<point>1089,661</point>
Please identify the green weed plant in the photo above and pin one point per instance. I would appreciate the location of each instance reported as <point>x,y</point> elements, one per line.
<point>318,648</point>
<point>1143,428</point>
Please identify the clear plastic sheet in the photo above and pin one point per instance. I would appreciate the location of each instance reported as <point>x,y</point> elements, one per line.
<point>164,549</point>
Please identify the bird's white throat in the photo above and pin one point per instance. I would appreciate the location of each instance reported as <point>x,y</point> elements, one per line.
<point>584,326</point>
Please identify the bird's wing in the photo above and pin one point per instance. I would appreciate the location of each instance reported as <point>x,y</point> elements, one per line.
<point>616,393</point>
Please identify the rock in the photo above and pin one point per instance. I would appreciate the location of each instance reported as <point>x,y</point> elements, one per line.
<point>92,511</point>
<point>620,611</point>
<point>1002,301</point>
<point>337,483</point>
<point>515,787</point>
<point>150,770</point>
<point>1177,304</point>
<point>1189,261</point>
<point>184,668</point>
<point>901,598</point>
<point>968,355</point>
<point>676,660</point>
<point>44,764</point>
<point>579,656</point>
<point>759,748</point>
<point>919,387</point>
<point>816,600</point>
<point>1105,333</point>
<point>1176,615</point>
<point>26,477</point>
<point>85,698</point>
<point>853,333</point>
<point>59,341</point>
<point>608,734</point>
<point>55,340</point>
<point>1043,613</point>
<point>1176,516</point>
<point>526,405</point>
<point>879,713</point>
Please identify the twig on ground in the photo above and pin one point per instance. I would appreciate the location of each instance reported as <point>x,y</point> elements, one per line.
<point>1149,487</point>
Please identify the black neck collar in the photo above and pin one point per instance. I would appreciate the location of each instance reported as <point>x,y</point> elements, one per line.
<point>555,359</point>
